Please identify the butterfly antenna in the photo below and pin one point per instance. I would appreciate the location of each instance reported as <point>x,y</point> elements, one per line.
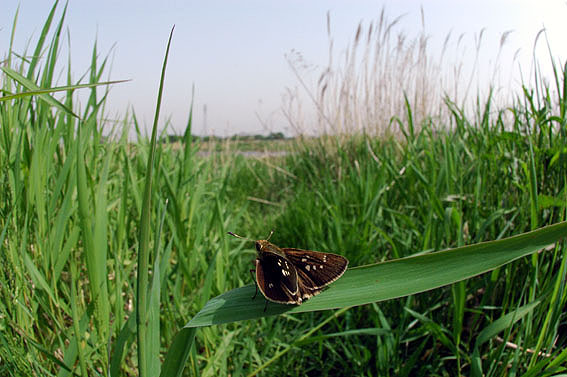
<point>271,232</point>
<point>237,236</point>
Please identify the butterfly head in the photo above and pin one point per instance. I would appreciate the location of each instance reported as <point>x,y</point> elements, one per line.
<point>262,246</point>
<point>265,246</point>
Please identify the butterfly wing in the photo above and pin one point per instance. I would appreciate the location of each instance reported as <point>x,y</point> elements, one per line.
<point>277,279</point>
<point>315,269</point>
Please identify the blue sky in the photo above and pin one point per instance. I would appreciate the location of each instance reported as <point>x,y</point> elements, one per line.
<point>234,51</point>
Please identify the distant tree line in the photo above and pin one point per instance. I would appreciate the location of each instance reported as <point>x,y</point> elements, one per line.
<point>179,138</point>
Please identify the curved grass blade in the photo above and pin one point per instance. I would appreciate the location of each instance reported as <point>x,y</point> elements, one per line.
<point>37,92</point>
<point>178,352</point>
<point>388,280</point>
<point>146,361</point>
<point>493,329</point>
<point>31,86</point>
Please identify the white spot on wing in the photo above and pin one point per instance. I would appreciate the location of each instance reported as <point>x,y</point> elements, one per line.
<point>304,259</point>
<point>308,267</point>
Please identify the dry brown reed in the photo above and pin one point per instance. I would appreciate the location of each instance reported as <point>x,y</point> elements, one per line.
<point>383,75</point>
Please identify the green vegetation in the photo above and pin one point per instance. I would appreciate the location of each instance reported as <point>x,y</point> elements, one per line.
<point>273,143</point>
<point>73,199</point>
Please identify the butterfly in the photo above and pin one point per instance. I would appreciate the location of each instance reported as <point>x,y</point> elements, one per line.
<point>290,276</point>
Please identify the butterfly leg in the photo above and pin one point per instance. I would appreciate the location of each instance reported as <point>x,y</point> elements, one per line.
<point>256,293</point>
<point>255,283</point>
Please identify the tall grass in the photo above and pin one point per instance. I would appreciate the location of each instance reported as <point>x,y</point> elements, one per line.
<point>72,199</point>
<point>383,69</point>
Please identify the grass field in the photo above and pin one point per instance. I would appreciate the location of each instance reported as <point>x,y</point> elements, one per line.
<point>74,204</point>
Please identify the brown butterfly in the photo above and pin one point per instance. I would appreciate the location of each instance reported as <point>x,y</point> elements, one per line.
<point>289,276</point>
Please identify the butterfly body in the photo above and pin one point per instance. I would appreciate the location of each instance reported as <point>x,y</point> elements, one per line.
<point>289,276</point>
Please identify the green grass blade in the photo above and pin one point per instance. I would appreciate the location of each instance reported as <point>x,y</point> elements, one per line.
<point>79,342</point>
<point>388,280</point>
<point>38,278</point>
<point>96,268</point>
<point>493,329</point>
<point>37,55</point>
<point>301,339</point>
<point>153,322</point>
<point>504,322</point>
<point>31,86</point>
<point>123,340</point>
<point>178,352</point>
<point>144,349</point>
<point>38,91</point>
<point>154,305</point>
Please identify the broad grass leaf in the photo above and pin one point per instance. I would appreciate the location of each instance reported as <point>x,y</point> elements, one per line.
<point>387,280</point>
